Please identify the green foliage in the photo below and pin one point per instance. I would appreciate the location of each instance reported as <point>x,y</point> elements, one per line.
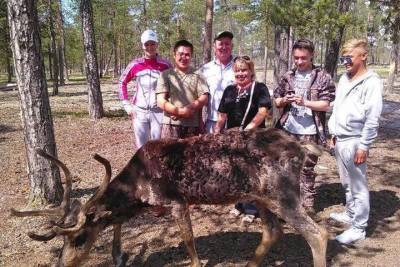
<point>121,22</point>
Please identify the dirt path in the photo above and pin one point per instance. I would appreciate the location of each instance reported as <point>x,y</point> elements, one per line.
<point>221,240</point>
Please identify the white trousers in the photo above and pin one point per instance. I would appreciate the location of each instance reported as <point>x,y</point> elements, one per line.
<point>147,125</point>
<point>354,180</point>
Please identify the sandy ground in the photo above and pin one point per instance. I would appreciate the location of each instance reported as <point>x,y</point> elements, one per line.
<point>221,240</point>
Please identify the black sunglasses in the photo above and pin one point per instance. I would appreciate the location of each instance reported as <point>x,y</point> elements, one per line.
<point>247,58</point>
<point>345,60</point>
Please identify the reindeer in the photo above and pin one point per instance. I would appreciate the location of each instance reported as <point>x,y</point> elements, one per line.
<point>262,166</point>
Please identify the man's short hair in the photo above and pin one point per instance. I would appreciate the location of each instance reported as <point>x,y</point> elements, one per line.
<point>304,43</point>
<point>184,43</point>
<point>355,43</point>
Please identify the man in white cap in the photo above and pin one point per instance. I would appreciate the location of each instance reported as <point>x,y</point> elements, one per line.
<point>142,108</point>
<point>219,74</point>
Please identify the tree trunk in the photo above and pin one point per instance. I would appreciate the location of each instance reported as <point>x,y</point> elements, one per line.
<point>105,72</point>
<point>281,44</point>
<point>8,55</point>
<point>50,62</point>
<point>45,182</point>
<point>54,50</point>
<point>92,75</point>
<point>9,69</point>
<point>394,57</point>
<point>101,55</point>
<point>207,46</point>
<point>115,48</point>
<point>289,47</point>
<point>116,56</point>
<point>332,54</point>
<point>280,51</point>
<point>265,63</point>
<point>61,45</point>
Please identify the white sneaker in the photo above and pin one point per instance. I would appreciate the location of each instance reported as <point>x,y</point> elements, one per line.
<point>342,217</point>
<point>248,218</point>
<point>351,235</point>
<point>235,212</point>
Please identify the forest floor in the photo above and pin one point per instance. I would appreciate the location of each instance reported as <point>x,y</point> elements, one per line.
<point>221,239</point>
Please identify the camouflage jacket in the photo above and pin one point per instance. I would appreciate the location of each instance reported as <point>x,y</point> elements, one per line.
<point>322,88</point>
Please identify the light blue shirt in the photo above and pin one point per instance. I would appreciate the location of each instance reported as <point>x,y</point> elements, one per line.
<point>218,77</point>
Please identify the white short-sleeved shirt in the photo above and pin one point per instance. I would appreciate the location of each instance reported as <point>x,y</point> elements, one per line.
<point>300,120</point>
<point>218,77</point>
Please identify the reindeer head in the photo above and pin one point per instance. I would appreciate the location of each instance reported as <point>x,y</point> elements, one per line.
<point>78,224</point>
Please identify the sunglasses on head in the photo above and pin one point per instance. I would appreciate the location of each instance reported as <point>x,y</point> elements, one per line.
<point>345,60</point>
<point>247,58</point>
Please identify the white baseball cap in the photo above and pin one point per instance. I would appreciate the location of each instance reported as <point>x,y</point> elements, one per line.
<point>148,35</point>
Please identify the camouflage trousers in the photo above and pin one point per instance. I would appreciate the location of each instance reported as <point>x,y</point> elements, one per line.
<point>178,131</point>
<point>307,176</point>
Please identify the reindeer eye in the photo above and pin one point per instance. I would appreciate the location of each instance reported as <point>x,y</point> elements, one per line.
<point>81,239</point>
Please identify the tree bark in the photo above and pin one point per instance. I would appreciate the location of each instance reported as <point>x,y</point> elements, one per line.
<point>289,47</point>
<point>92,74</point>
<point>9,68</point>
<point>116,72</point>
<point>265,62</point>
<point>8,55</point>
<point>332,54</point>
<point>105,72</point>
<point>207,46</point>
<point>61,44</point>
<point>50,62</point>
<point>394,58</point>
<point>54,50</point>
<point>281,60</point>
<point>280,51</point>
<point>44,177</point>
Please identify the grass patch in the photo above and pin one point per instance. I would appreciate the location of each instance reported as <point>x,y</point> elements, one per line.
<point>115,114</point>
<point>74,114</point>
<point>85,114</point>
<point>4,78</point>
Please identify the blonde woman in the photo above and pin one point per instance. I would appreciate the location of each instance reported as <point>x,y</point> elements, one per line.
<point>244,104</point>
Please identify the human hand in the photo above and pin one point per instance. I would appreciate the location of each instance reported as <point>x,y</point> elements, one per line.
<point>360,156</point>
<point>299,100</point>
<point>289,98</point>
<point>128,108</point>
<point>185,112</point>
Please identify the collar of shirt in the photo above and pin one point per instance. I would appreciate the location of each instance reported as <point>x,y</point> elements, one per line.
<point>217,62</point>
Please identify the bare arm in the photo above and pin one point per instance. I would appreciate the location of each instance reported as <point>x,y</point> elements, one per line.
<point>165,105</point>
<point>318,105</point>
<point>220,122</point>
<point>281,102</point>
<point>199,102</point>
<point>258,118</point>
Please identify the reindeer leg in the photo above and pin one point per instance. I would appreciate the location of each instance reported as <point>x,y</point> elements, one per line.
<point>181,214</point>
<point>315,235</point>
<point>119,258</point>
<point>271,232</point>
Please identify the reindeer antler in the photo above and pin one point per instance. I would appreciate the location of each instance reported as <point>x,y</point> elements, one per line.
<point>102,188</point>
<point>64,208</point>
<point>65,204</point>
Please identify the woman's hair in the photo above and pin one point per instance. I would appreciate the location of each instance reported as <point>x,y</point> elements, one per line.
<point>355,43</point>
<point>244,61</point>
